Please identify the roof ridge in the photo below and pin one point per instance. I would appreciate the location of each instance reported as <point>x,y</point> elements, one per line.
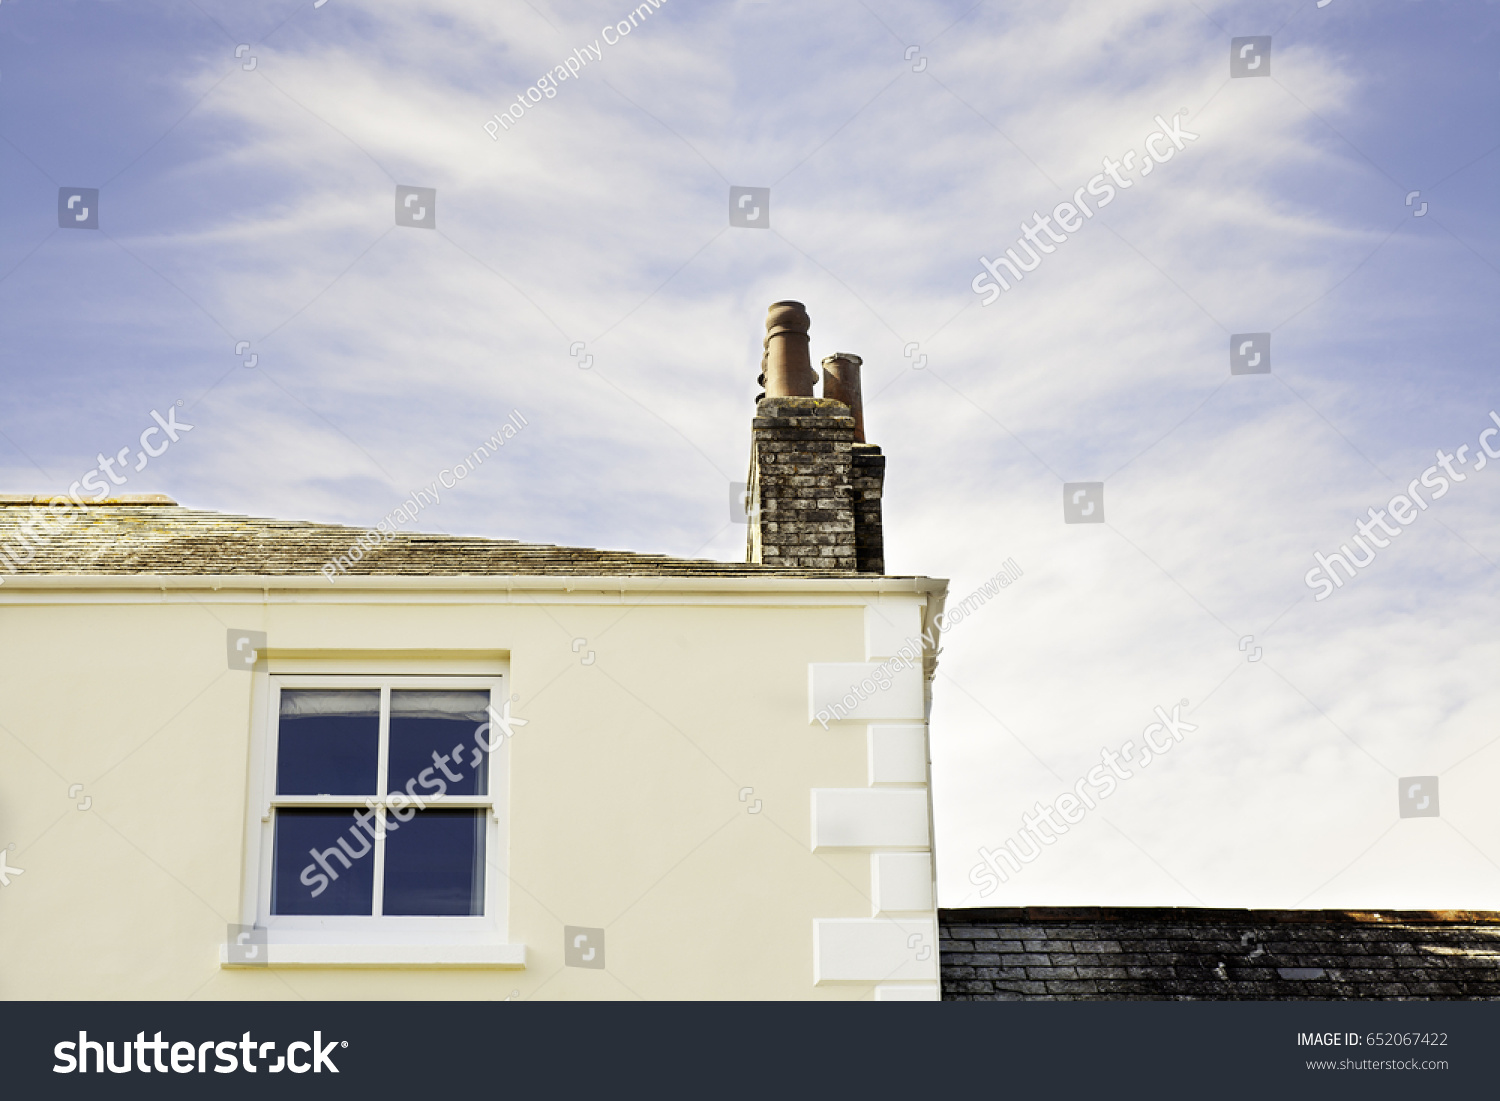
<point>131,499</point>
<point>148,537</point>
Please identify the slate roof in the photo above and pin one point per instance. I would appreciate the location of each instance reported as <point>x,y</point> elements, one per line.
<point>153,535</point>
<point>1099,953</point>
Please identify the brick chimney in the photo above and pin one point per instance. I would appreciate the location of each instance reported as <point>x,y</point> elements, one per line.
<point>815,484</point>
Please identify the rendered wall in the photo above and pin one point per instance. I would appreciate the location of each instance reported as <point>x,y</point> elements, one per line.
<point>625,788</point>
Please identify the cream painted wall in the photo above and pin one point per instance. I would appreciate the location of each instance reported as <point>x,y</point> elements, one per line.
<point>624,786</point>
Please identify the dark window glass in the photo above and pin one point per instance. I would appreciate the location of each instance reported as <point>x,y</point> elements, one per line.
<point>324,863</point>
<point>328,742</point>
<point>434,863</point>
<point>428,726</point>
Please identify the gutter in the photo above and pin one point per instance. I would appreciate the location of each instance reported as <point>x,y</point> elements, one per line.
<point>861,586</point>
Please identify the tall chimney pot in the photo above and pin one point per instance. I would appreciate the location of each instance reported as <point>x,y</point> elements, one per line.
<point>841,383</point>
<point>786,366</point>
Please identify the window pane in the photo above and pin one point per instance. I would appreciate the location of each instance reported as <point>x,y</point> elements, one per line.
<point>434,863</point>
<point>325,863</point>
<point>425,728</point>
<point>328,742</point>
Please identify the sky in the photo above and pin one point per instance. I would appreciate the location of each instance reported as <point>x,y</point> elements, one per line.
<point>579,266</point>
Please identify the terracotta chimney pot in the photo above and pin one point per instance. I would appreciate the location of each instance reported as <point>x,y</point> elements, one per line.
<point>841,383</point>
<point>786,367</point>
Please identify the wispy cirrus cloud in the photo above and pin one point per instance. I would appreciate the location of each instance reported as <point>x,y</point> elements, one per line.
<point>257,206</point>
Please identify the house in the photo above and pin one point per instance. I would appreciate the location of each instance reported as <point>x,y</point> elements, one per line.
<point>252,758</point>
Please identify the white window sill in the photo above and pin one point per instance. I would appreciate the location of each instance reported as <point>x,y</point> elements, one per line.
<point>409,956</point>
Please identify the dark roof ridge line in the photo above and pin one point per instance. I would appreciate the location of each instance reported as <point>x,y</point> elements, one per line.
<point>1209,915</point>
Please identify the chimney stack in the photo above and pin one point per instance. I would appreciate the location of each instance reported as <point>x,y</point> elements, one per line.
<point>815,484</point>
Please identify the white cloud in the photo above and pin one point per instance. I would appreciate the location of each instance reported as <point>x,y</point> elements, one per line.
<point>600,221</point>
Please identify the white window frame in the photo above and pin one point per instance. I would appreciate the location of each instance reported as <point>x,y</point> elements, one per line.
<point>377,939</point>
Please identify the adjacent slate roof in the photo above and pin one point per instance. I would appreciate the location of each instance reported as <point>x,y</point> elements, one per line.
<point>1096,953</point>
<point>155,536</point>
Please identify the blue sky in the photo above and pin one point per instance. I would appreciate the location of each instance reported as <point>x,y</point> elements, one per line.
<point>255,205</point>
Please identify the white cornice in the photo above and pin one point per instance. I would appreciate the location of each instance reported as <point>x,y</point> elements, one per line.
<point>392,588</point>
